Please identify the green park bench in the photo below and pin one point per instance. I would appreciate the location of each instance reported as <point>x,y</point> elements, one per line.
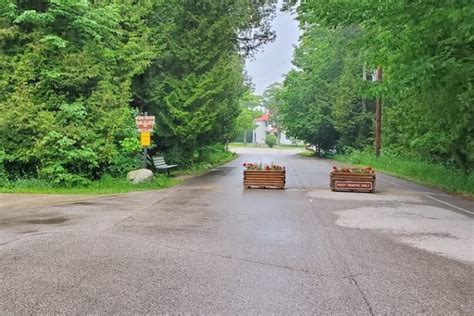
<point>160,164</point>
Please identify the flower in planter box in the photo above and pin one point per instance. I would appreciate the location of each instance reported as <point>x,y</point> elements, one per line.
<point>261,166</point>
<point>277,167</point>
<point>353,170</point>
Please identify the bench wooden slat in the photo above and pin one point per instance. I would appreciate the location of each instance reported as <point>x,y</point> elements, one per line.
<point>160,164</point>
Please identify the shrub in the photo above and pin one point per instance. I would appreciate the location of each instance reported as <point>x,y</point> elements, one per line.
<point>270,140</point>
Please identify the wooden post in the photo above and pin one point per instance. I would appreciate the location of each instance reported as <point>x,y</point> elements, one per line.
<point>378,116</point>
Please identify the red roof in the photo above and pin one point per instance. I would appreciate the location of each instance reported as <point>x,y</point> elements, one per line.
<point>265,117</point>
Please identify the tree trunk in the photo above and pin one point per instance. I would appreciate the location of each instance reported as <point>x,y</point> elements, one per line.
<point>226,143</point>
<point>459,159</point>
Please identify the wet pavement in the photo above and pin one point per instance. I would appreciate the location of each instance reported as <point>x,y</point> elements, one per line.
<point>210,246</point>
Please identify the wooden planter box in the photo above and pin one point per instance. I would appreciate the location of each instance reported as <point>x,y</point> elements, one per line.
<point>264,179</point>
<point>352,182</point>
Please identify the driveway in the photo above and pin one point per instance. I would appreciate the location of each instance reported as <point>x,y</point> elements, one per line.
<point>209,246</point>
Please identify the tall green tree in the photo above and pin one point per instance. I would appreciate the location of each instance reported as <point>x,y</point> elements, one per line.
<point>194,88</point>
<point>249,104</point>
<point>310,90</point>
<point>73,73</point>
<point>65,84</point>
<point>272,100</point>
<point>425,49</point>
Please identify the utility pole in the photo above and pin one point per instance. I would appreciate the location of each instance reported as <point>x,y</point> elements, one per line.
<point>378,116</point>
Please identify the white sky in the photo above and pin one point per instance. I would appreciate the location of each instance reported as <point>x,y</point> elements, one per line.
<point>274,61</point>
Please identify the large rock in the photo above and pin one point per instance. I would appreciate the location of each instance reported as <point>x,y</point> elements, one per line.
<point>140,175</point>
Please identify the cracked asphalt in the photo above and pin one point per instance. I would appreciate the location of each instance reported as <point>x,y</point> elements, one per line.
<point>210,247</point>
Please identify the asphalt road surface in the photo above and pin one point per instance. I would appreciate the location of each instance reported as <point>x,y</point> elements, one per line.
<point>210,246</point>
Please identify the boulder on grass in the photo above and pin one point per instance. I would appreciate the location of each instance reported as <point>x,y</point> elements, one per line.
<point>140,175</point>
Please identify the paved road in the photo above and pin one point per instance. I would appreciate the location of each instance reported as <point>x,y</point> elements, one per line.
<point>209,246</point>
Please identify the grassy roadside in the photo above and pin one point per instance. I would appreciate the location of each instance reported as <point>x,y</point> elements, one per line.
<point>201,167</point>
<point>306,153</point>
<point>109,185</point>
<point>106,185</point>
<point>239,145</point>
<point>434,175</point>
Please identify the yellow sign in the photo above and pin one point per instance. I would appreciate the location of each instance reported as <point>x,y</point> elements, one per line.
<point>145,139</point>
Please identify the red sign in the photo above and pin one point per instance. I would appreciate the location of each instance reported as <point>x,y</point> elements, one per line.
<point>353,185</point>
<point>145,123</point>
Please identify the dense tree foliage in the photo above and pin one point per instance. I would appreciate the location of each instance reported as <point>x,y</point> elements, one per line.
<point>272,101</point>
<point>425,49</point>
<point>66,69</point>
<point>74,73</point>
<point>195,87</point>
<point>245,122</point>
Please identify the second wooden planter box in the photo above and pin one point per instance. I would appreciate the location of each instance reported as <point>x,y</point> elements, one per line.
<point>357,182</point>
<point>264,179</point>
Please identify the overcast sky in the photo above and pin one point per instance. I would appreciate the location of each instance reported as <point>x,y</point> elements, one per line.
<point>271,63</point>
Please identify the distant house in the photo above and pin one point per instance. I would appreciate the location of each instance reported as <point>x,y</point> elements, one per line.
<point>260,129</point>
<point>263,127</point>
<point>284,140</point>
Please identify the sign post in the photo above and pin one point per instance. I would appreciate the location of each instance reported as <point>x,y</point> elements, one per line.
<point>145,126</point>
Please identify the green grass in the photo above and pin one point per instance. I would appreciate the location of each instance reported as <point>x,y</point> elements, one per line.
<point>214,158</point>
<point>306,153</point>
<point>434,175</point>
<point>107,185</point>
<point>237,145</point>
<point>288,146</point>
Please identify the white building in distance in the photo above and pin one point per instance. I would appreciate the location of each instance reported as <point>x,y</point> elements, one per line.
<point>263,127</point>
